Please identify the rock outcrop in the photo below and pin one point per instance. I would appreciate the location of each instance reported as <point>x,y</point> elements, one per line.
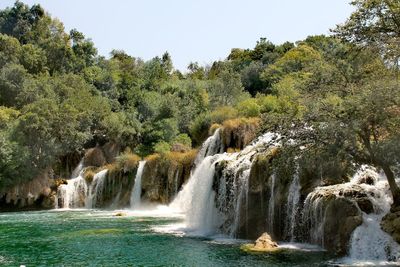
<point>164,175</point>
<point>263,244</point>
<point>39,193</point>
<point>391,224</point>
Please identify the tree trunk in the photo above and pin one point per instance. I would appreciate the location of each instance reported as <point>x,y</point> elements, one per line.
<point>394,188</point>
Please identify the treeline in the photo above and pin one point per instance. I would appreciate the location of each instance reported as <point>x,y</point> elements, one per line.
<point>339,93</point>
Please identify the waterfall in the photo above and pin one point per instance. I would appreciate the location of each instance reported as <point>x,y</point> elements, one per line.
<point>293,207</point>
<point>271,205</point>
<point>96,189</point>
<point>77,171</point>
<point>197,199</point>
<point>137,188</point>
<point>73,194</point>
<point>212,146</point>
<point>369,242</point>
<point>205,212</point>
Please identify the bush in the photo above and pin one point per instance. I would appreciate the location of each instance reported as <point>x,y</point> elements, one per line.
<point>199,127</point>
<point>127,161</point>
<point>222,114</point>
<point>162,147</point>
<point>249,108</point>
<point>183,139</point>
<point>268,103</point>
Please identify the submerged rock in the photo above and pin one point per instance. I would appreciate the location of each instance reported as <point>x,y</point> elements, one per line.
<point>263,244</point>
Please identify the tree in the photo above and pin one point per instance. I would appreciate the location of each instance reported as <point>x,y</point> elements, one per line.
<point>375,23</point>
<point>226,90</point>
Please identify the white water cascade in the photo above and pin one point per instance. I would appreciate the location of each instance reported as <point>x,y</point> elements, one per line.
<point>293,207</point>
<point>73,194</point>
<point>197,199</point>
<point>95,189</point>
<point>135,199</point>
<point>368,243</point>
<point>212,146</point>
<point>271,205</point>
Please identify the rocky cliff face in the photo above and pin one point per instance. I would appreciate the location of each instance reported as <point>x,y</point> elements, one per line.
<point>294,203</point>
<point>164,175</point>
<point>39,193</point>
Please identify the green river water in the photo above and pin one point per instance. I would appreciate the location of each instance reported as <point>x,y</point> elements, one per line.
<point>99,238</point>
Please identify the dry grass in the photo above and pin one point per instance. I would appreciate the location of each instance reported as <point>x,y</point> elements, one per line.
<point>89,175</point>
<point>232,150</point>
<point>213,128</point>
<point>185,158</point>
<point>127,161</point>
<point>153,157</point>
<point>237,133</point>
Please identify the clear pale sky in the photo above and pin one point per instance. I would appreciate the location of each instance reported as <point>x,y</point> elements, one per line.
<point>191,30</point>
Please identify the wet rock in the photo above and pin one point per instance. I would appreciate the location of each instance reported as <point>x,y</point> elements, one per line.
<point>342,217</point>
<point>34,194</point>
<point>391,224</point>
<point>164,175</point>
<point>263,244</point>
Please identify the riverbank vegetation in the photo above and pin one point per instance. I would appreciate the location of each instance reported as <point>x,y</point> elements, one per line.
<point>339,94</point>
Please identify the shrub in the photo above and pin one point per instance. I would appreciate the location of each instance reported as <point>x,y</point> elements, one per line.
<point>162,147</point>
<point>222,114</point>
<point>249,108</point>
<point>183,139</point>
<point>199,127</point>
<point>127,161</point>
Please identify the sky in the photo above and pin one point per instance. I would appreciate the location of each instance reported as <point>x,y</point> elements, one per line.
<point>190,30</point>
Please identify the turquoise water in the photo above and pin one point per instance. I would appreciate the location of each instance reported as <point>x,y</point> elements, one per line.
<point>99,238</point>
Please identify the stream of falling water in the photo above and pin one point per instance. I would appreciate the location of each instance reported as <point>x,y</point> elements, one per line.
<point>293,207</point>
<point>136,194</point>
<point>95,189</point>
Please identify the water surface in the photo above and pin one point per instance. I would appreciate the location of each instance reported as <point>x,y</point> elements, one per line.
<point>99,238</point>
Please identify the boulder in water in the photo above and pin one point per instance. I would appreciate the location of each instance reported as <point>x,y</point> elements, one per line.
<point>263,244</point>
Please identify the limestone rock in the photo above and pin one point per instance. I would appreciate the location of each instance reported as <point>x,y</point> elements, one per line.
<point>391,224</point>
<point>94,157</point>
<point>263,244</point>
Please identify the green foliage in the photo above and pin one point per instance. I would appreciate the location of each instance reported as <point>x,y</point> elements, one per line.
<point>183,139</point>
<point>221,114</point>
<point>162,147</point>
<point>334,95</point>
<point>374,23</point>
<point>249,108</point>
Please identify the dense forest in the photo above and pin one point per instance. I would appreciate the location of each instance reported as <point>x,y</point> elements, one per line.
<point>338,96</point>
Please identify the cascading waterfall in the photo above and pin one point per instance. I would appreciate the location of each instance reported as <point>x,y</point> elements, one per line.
<point>293,206</point>
<point>212,146</point>
<point>95,189</point>
<point>196,199</point>
<point>368,241</point>
<point>271,205</point>
<point>137,188</point>
<point>73,194</point>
